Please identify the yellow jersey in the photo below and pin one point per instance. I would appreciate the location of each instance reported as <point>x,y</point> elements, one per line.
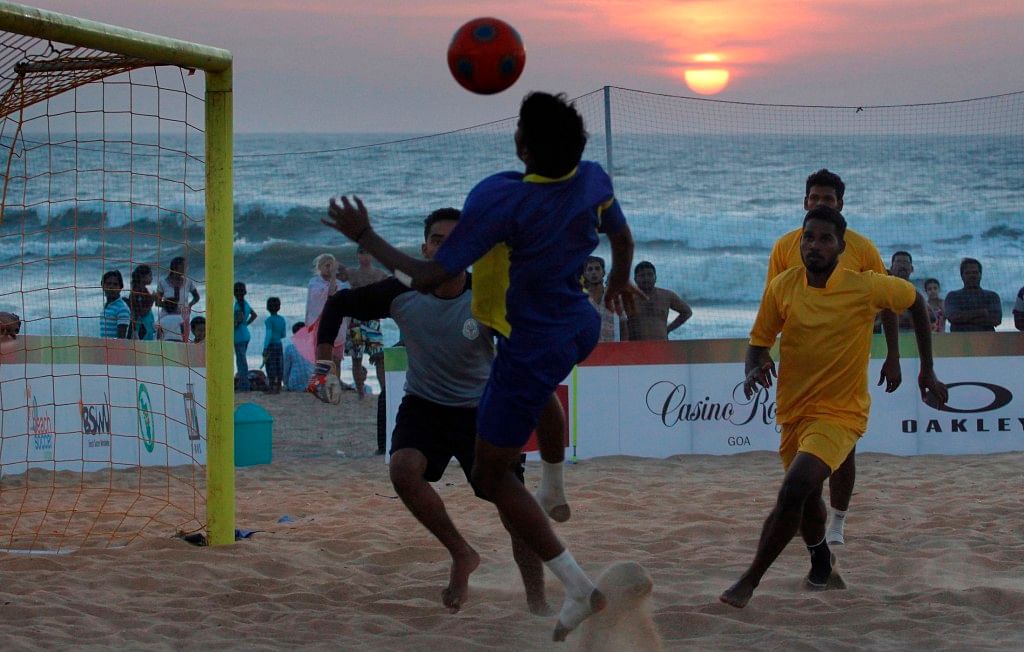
<point>860,255</point>
<point>826,340</point>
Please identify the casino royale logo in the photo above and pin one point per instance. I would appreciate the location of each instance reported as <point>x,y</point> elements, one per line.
<point>996,396</point>
<point>672,403</point>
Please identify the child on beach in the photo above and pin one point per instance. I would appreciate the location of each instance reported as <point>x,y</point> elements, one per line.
<point>115,322</point>
<point>140,301</point>
<point>198,327</point>
<point>244,315</point>
<point>171,327</point>
<point>297,369</point>
<point>273,352</point>
<point>527,236</point>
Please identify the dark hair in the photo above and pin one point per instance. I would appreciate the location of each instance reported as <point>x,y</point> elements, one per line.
<point>644,264</point>
<point>830,215</point>
<point>892,259</point>
<point>115,274</point>
<point>825,178</point>
<point>553,133</point>
<point>932,280</point>
<point>273,304</point>
<point>970,261</point>
<point>177,261</point>
<point>197,321</point>
<point>595,259</point>
<point>297,326</point>
<point>440,215</point>
<point>239,286</point>
<point>138,273</point>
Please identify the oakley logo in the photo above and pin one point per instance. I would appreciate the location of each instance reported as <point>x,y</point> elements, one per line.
<point>1000,398</point>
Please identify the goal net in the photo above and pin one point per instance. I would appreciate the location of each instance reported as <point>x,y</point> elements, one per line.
<point>103,228</point>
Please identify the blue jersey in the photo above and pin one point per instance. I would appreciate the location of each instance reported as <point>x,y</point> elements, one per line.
<point>534,234</point>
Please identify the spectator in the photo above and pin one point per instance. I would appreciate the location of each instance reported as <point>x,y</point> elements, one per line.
<point>901,265</point>
<point>972,308</point>
<point>648,318</point>
<point>140,302</point>
<point>273,354</point>
<point>171,327</point>
<point>297,369</point>
<point>244,315</point>
<point>324,284</point>
<point>1018,311</point>
<point>10,326</point>
<point>116,319</point>
<point>593,283</point>
<point>198,328</point>
<point>366,336</point>
<point>932,289</point>
<point>174,287</point>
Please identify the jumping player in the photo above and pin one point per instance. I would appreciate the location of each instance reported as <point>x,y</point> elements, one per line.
<point>536,230</point>
<point>825,188</point>
<point>825,314</point>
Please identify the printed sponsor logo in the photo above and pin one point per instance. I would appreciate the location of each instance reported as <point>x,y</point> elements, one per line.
<point>40,426</point>
<point>470,329</point>
<point>95,418</point>
<point>192,419</point>
<point>672,403</point>
<point>147,431</point>
<point>997,396</point>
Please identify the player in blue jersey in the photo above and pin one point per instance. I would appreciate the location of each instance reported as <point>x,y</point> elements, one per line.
<point>528,236</point>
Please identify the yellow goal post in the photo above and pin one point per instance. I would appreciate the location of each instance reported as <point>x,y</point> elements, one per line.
<point>216,64</point>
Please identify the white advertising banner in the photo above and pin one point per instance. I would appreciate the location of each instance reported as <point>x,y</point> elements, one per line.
<point>86,417</point>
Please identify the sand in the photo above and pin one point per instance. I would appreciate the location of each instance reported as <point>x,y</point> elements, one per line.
<point>934,558</point>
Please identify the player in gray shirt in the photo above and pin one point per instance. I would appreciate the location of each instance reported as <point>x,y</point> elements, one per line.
<point>450,356</point>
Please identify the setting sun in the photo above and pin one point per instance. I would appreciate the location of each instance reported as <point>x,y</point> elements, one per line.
<point>706,81</point>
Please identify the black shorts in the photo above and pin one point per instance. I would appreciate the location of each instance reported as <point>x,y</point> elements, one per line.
<point>440,432</point>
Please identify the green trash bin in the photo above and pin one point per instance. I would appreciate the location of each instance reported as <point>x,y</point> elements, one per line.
<point>253,435</point>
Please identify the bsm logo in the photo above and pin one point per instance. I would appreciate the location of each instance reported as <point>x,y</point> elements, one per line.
<point>95,418</point>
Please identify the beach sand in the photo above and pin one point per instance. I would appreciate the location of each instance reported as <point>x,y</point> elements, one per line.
<point>934,558</point>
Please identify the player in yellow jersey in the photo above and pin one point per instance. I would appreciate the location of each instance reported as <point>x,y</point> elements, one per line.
<point>825,188</point>
<point>825,314</point>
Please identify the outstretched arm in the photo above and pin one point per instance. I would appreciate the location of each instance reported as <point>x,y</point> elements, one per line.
<point>369,302</point>
<point>354,223</point>
<point>926,379</point>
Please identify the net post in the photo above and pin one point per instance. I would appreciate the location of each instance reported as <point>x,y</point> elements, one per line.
<point>220,394</point>
<point>608,130</point>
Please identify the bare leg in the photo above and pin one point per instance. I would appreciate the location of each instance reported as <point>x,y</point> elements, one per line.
<point>531,568</point>
<point>840,486</point>
<point>803,480</point>
<point>551,441</point>
<point>359,375</point>
<point>493,476</point>
<point>407,467</point>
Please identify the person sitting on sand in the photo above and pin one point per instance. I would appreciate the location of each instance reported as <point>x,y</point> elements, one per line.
<point>825,314</point>
<point>450,356</point>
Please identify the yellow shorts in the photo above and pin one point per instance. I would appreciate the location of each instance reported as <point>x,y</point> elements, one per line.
<point>829,441</point>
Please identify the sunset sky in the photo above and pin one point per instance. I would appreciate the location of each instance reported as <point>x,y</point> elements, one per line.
<point>354,65</point>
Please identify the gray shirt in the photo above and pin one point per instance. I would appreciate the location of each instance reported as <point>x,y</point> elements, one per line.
<point>959,301</point>
<point>450,353</point>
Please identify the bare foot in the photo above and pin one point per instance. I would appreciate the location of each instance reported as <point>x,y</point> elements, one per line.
<point>458,582</point>
<point>575,612</point>
<point>739,594</point>
<point>539,606</point>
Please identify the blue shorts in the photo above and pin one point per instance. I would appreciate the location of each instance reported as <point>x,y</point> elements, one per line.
<point>525,373</point>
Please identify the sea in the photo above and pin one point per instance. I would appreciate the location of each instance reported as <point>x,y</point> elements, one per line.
<point>706,191</point>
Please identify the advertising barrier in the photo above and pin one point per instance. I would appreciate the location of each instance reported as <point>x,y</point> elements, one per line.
<point>84,404</point>
<point>657,399</point>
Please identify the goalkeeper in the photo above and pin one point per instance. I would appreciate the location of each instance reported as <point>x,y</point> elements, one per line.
<point>450,356</point>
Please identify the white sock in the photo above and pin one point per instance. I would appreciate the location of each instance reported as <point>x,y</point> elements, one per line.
<point>577,585</point>
<point>552,484</point>
<point>834,532</point>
